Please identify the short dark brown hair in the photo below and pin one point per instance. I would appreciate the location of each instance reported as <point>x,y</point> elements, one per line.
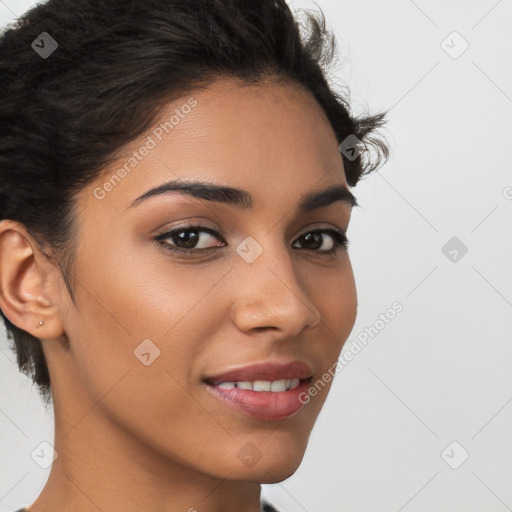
<point>118,62</point>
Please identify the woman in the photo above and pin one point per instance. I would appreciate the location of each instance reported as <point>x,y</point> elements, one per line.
<point>173,255</point>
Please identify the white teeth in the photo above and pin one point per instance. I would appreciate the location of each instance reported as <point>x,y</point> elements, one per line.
<point>244,385</point>
<point>294,383</point>
<point>227,385</point>
<point>263,385</point>
<point>278,385</point>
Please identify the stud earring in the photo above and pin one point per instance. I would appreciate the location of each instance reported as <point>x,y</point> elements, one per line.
<point>41,322</point>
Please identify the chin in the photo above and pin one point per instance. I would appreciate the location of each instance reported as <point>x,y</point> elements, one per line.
<point>279,462</point>
<point>278,472</point>
<point>269,473</point>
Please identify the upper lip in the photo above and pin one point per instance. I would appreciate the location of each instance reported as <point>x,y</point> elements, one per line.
<point>268,371</point>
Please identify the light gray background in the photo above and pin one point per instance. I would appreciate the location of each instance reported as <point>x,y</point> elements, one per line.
<point>441,370</point>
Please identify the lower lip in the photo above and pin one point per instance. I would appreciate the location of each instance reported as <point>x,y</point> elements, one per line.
<point>264,405</point>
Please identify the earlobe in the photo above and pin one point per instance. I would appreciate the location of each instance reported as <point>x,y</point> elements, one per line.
<point>24,283</point>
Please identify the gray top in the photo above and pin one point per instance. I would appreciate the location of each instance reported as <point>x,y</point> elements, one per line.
<point>265,507</point>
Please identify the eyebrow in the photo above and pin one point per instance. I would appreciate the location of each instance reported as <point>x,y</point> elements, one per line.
<point>243,199</point>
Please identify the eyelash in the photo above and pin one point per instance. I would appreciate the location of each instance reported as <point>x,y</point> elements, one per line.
<point>341,241</point>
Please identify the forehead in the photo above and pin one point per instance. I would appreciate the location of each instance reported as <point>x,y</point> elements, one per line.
<point>268,137</point>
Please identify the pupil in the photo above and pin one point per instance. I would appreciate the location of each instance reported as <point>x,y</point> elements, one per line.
<point>316,238</point>
<point>189,238</point>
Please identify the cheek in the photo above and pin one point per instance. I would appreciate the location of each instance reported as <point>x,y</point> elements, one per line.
<point>131,313</point>
<point>147,297</point>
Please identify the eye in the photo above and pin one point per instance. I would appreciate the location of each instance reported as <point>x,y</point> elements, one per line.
<point>187,239</point>
<point>316,241</point>
<point>193,239</point>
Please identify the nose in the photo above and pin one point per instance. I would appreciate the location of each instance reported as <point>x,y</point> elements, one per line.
<point>270,296</point>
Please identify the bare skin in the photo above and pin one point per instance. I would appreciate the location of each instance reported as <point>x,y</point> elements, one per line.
<point>132,437</point>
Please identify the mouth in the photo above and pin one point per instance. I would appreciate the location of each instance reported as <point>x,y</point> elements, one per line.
<point>267,391</point>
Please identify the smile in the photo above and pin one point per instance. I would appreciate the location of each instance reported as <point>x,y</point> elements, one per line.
<point>266,391</point>
<point>263,385</point>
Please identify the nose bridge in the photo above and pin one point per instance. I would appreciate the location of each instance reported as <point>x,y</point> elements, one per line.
<point>269,295</point>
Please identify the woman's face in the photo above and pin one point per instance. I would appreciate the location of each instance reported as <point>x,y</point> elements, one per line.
<point>152,328</point>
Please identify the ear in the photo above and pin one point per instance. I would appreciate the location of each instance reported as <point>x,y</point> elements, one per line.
<point>29,291</point>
